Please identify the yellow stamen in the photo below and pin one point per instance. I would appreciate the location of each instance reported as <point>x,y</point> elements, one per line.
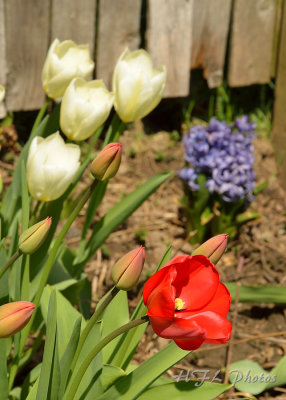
<point>179,304</point>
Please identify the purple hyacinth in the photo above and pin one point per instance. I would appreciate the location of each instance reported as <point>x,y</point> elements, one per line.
<point>224,154</point>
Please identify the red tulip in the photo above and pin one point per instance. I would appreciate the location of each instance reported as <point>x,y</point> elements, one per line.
<point>187,303</point>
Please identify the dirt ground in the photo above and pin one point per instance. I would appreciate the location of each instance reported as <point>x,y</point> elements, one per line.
<point>258,256</point>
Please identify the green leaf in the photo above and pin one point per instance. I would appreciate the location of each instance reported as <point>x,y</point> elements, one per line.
<point>260,187</point>
<point>246,216</point>
<point>185,390</point>
<point>110,374</point>
<point>120,212</point>
<point>137,381</point>
<point>66,316</point>
<point>280,372</point>
<point>248,376</point>
<point>206,216</point>
<point>45,380</point>
<point>258,294</point>
<point>90,386</point>
<point>115,315</point>
<point>3,370</point>
<point>68,355</point>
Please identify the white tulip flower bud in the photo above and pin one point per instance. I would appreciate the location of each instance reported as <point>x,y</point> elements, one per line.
<point>2,93</point>
<point>51,166</point>
<point>85,107</point>
<point>65,61</point>
<point>138,87</point>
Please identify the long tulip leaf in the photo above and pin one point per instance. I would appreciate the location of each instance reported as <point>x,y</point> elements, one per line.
<point>258,294</point>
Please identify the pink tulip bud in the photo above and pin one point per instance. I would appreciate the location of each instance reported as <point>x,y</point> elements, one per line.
<point>106,164</point>
<point>14,316</point>
<point>32,238</point>
<point>213,248</point>
<point>127,270</point>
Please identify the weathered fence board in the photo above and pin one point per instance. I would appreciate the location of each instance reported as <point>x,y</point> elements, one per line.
<point>279,121</point>
<point>2,55</point>
<point>27,33</point>
<point>169,41</point>
<point>251,42</point>
<point>75,20</point>
<point>210,30</point>
<point>115,34</point>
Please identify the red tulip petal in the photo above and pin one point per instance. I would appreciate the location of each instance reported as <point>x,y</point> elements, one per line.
<point>161,301</point>
<point>177,328</point>
<point>190,344</point>
<point>178,260</point>
<point>216,326</point>
<point>196,282</point>
<point>220,303</point>
<point>156,280</point>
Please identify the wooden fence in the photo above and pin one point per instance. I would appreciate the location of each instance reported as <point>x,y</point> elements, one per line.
<point>240,40</point>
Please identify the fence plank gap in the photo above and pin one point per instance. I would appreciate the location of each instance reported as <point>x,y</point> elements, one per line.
<point>118,28</point>
<point>279,120</point>
<point>210,31</point>
<point>251,42</point>
<point>27,32</point>
<point>169,41</point>
<point>74,20</point>
<point>2,56</point>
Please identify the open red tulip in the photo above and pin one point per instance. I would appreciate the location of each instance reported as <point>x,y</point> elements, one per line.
<point>187,303</point>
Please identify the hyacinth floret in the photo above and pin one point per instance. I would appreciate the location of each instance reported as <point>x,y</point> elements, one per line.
<point>224,154</point>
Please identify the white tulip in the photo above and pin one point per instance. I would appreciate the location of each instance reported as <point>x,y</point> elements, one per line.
<point>85,106</point>
<point>65,61</point>
<point>2,93</point>
<point>138,87</point>
<point>51,166</point>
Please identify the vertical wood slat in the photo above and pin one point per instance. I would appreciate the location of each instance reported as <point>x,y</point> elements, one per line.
<point>251,42</point>
<point>27,31</point>
<point>2,56</point>
<point>74,20</point>
<point>118,28</point>
<point>169,41</point>
<point>279,120</point>
<point>209,38</point>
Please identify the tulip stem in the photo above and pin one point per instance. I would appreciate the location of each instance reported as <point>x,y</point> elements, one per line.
<point>85,364</point>
<point>95,317</point>
<point>52,256</point>
<point>11,260</point>
<point>112,130</point>
<point>40,114</point>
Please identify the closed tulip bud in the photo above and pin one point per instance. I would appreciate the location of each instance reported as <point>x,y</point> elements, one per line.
<point>32,238</point>
<point>85,107</point>
<point>213,248</point>
<point>106,164</point>
<point>65,61</point>
<point>14,316</point>
<point>126,272</point>
<point>51,166</point>
<point>138,87</point>
<point>2,93</point>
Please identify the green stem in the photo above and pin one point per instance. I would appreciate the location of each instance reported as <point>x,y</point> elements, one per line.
<point>85,364</point>
<point>113,127</point>
<point>92,321</point>
<point>52,256</point>
<point>14,257</point>
<point>40,115</point>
